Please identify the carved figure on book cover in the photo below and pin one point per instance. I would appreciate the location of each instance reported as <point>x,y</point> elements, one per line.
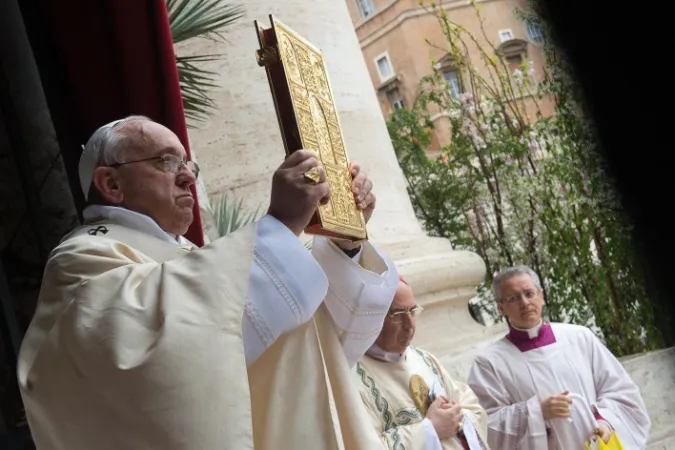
<point>299,79</point>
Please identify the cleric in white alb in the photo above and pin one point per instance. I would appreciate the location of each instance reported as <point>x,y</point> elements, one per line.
<point>552,385</point>
<point>412,401</point>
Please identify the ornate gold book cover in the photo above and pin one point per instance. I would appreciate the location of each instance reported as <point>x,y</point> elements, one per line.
<point>308,119</point>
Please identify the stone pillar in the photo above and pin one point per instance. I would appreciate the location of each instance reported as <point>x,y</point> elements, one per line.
<point>241,145</point>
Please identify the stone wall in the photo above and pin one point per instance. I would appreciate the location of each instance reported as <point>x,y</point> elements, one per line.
<point>654,373</point>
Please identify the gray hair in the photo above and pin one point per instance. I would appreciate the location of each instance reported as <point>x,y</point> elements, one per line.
<point>109,143</point>
<point>104,148</point>
<point>512,272</point>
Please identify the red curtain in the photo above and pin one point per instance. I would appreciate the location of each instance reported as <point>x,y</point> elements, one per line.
<point>101,60</point>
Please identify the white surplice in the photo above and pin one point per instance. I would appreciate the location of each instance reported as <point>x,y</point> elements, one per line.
<point>511,384</point>
<point>140,340</point>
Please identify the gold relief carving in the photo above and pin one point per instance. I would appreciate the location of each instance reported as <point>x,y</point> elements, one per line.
<point>338,146</point>
<point>306,125</point>
<point>320,78</point>
<point>326,151</point>
<point>335,209</point>
<point>290,57</point>
<point>299,93</point>
<point>306,87</point>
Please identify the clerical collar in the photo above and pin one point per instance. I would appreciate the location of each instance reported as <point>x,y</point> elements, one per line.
<point>130,219</point>
<point>538,336</point>
<point>375,351</point>
<point>531,332</point>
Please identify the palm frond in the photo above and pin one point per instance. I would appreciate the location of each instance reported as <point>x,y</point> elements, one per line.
<point>230,215</point>
<point>191,19</point>
<point>200,18</point>
<point>194,84</point>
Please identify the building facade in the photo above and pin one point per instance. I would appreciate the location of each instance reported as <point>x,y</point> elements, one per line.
<point>402,43</point>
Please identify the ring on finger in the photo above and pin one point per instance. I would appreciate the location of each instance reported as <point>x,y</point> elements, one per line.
<point>313,175</point>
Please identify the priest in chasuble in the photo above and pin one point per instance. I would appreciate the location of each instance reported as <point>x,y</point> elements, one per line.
<point>552,385</point>
<point>412,401</point>
<point>140,340</point>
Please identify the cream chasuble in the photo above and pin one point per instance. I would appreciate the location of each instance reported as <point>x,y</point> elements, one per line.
<point>302,392</point>
<point>110,334</point>
<point>399,423</point>
<point>511,383</point>
<point>136,344</point>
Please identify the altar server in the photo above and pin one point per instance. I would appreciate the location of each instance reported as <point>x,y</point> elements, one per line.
<point>552,385</point>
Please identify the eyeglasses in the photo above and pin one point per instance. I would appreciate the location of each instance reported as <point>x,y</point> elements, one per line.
<point>528,294</point>
<point>397,316</point>
<point>170,163</point>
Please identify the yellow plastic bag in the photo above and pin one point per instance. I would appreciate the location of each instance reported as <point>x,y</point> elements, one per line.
<point>598,444</point>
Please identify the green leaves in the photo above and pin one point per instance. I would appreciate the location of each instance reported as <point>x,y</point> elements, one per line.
<point>230,215</point>
<point>195,84</point>
<point>200,18</point>
<point>191,19</point>
<point>521,189</point>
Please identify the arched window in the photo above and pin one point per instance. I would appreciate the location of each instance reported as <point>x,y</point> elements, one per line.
<point>451,75</point>
<point>514,52</point>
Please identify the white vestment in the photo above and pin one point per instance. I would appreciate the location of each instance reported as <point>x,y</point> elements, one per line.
<point>384,385</point>
<point>511,383</point>
<point>141,341</point>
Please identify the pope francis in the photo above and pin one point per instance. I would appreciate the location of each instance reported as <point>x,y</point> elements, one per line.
<point>140,340</point>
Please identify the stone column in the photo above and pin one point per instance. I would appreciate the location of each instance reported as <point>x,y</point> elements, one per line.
<point>241,145</point>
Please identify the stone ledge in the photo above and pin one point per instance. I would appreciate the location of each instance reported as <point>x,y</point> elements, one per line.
<point>435,271</point>
<point>654,373</point>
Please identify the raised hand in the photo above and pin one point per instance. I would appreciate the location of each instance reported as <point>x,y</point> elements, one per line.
<point>295,198</point>
<point>362,188</point>
<point>365,200</point>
